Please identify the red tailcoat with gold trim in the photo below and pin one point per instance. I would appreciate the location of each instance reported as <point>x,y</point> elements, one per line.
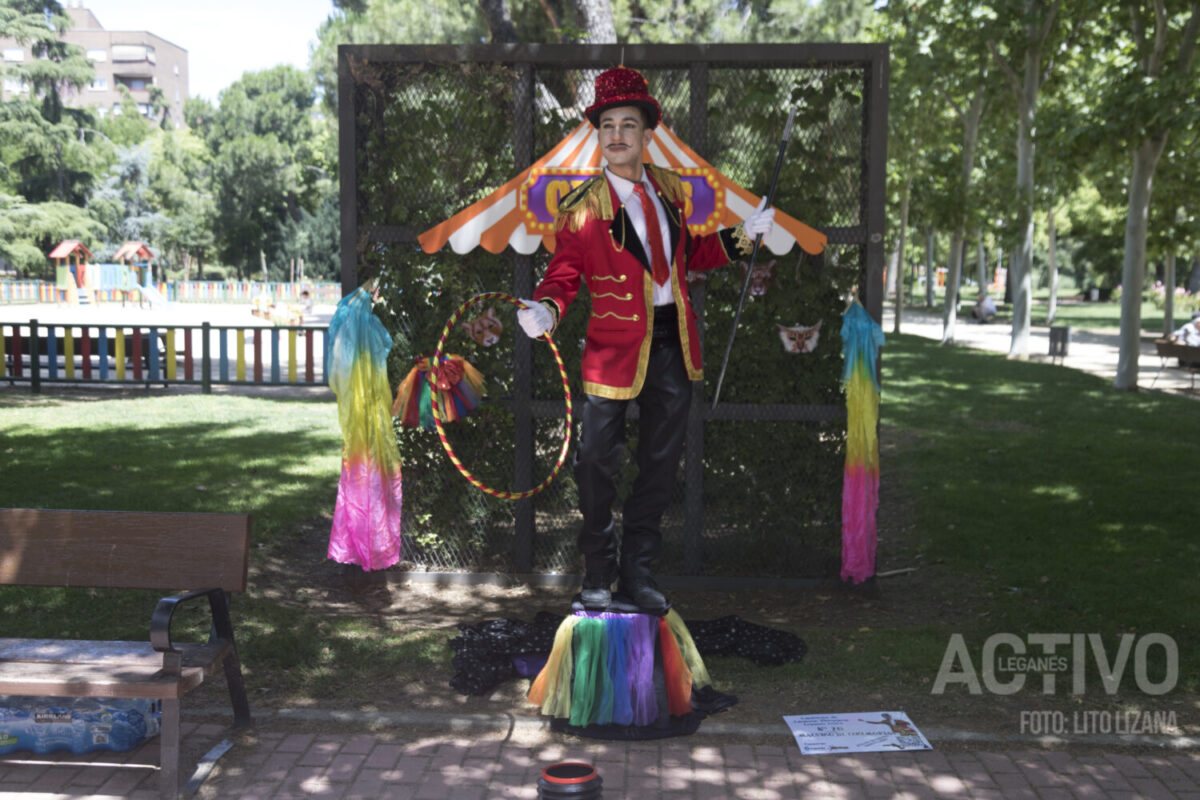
<point>596,243</point>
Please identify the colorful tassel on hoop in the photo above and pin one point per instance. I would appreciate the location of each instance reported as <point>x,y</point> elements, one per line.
<point>460,390</point>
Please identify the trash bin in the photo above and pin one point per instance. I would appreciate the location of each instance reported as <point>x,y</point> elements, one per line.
<point>1060,337</point>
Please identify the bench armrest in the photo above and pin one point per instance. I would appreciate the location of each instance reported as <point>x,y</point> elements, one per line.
<point>160,620</point>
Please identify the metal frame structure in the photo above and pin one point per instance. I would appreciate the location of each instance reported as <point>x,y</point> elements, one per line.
<point>697,59</point>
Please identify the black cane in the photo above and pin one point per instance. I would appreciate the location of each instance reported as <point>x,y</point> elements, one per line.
<point>787,134</point>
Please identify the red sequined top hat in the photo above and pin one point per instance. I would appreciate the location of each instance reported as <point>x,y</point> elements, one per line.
<point>623,86</point>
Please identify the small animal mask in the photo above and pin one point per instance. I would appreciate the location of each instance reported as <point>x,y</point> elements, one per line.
<point>800,338</point>
<point>762,278</point>
<point>484,329</point>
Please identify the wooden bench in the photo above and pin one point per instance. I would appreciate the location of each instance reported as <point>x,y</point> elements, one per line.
<point>1185,353</point>
<point>204,554</point>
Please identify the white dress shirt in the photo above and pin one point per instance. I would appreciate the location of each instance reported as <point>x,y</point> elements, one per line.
<point>624,188</point>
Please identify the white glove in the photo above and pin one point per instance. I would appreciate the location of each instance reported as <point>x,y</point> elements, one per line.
<point>761,221</point>
<point>535,319</point>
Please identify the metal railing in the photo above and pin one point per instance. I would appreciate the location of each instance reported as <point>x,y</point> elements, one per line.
<point>204,355</point>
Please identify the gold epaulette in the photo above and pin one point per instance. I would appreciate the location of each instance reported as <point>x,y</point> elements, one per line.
<point>669,182</point>
<point>588,200</point>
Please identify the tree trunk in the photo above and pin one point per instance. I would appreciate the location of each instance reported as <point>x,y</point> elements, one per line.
<point>958,239</point>
<point>1169,295</point>
<point>1021,265</point>
<point>1133,271</point>
<point>982,256</point>
<point>1193,281</point>
<point>930,244</point>
<point>953,275</point>
<point>596,19</point>
<point>904,195</point>
<point>893,266</point>
<point>1053,236</point>
<point>499,21</point>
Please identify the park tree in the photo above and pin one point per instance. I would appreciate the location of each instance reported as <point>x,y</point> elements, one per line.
<point>124,203</point>
<point>1023,36</point>
<point>960,72</point>
<point>181,181</point>
<point>262,140</point>
<point>29,230</point>
<point>1174,226</point>
<point>126,127</point>
<point>912,127</point>
<point>40,137</point>
<point>1151,94</point>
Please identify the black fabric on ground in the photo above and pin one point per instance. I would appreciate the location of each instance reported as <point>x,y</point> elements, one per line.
<point>733,636</point>
<point>483,653</point>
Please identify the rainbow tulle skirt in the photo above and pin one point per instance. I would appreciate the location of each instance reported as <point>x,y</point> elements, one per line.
<point>601,670</point>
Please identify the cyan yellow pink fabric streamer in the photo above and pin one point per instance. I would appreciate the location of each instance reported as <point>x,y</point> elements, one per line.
<point>861,339</point>
<point>601,669</point>
<point>366,519</point>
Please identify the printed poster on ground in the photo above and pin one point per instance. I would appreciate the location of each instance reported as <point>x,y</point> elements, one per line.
<point>867,732</point>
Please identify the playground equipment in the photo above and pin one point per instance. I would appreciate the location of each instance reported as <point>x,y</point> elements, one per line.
<point>278,312</point>
<point>82,282</point>
<point>136,258</point>
<point>71,278</point>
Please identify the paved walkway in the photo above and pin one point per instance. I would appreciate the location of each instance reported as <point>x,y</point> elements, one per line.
<point>276,760</point>
<point>1091,350</point>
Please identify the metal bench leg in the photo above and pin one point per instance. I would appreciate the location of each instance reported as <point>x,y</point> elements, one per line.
<point>237,690</point>
<point>168,775</point>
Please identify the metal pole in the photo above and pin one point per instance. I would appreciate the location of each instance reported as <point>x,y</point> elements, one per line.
<point>205,360</point>
<point>787,134</point>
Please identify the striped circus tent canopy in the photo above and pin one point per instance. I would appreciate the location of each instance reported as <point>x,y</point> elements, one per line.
<point>521,212</point>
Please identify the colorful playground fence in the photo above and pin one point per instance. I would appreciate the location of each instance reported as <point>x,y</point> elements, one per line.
<point>147,354</point>
<point>183,291</point>
<point>27,292</point>
<point>246,291</point>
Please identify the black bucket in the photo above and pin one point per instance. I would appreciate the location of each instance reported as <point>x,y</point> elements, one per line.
<point>569,780</point>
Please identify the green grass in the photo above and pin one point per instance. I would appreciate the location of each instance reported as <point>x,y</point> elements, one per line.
<point>1036,499</point>
<point>270,458</point>
<point>1066,504</point>
<point>1077,315</point>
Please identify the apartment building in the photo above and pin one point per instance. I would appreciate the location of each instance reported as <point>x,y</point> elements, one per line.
<point>137,60</point>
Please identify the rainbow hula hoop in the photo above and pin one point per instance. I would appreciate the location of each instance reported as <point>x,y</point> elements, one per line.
<point>437,417</point>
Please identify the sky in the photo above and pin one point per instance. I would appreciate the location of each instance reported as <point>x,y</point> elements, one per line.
<point>224,38</point>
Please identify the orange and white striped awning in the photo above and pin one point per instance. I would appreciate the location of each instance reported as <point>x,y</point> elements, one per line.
<point>521,213</point>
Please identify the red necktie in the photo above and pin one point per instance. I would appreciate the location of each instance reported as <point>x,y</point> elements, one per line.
<point>658,256</point>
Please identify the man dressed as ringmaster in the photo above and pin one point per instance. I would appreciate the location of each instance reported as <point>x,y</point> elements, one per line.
<point>625,234</point>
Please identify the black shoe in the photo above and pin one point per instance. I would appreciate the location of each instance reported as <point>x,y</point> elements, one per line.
<point>644,592</point>
<point>595,595</point>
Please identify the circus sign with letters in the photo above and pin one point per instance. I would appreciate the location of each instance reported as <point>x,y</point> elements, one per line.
<point>542,191</point>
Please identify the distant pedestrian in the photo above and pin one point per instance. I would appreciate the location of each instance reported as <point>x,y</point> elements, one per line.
<point>1188,334</point>
<point>985,309</point>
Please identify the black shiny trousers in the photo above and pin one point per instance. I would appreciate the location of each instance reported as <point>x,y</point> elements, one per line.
<point>662,425</point>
